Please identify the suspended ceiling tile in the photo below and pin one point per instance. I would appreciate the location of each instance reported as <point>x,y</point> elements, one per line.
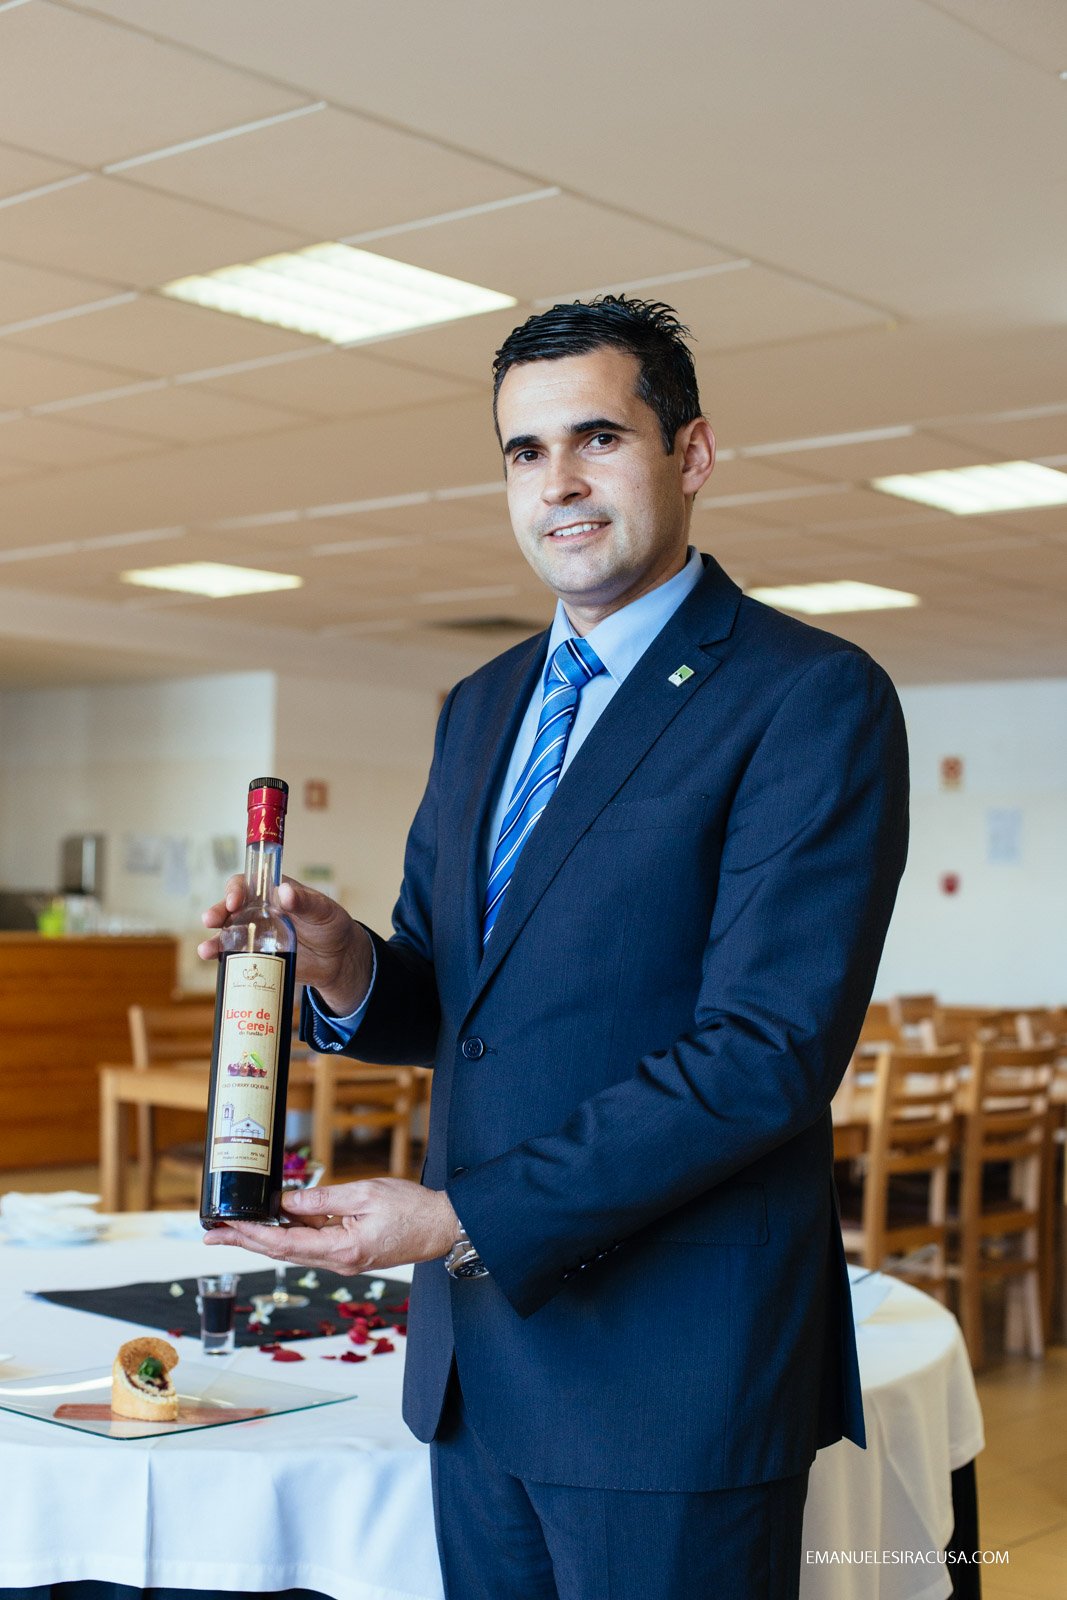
<point>1004,440</point>
<point>753,476</point>
<point>554,248</point>
<point>10,470</point>
<point>457,349</point>
<point>331,174</point>
<point>29,291</point>
<point>1040,565</point>
<point>187,414</point>
<point>31,378</point>
<point>1044,522</point>
<point>51,443</point>
<point>442,518</point>
<point>337,383</point>
<point>871,378</point>
<point>161,338</point>
<point>878,458</point>
<point>115,230</point>
<point>1037,30</point>
<point>758,306</point>
<point>21,170</point>
<point>89,92</point>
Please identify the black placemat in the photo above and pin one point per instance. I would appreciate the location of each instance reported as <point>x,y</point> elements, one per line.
<point>155,1305</point>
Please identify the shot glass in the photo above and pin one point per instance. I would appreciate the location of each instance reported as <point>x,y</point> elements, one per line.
<point>216,1302</point>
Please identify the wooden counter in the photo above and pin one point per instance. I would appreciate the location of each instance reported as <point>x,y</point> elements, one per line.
<point>63,1005</point>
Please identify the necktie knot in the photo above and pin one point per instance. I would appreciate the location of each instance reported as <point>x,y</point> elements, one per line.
<point>575,662</point>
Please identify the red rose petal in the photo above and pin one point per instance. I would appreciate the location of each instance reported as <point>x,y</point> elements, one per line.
<point>286,1355</point>
<point>176,1333</point>
<point>351,1355</point>
<point>270,1347</point>
<point>326,1328</point>
<point>358,1333</point>
<point>403,1306</point>
<point>400,1327</point>
<point>382,1347</point>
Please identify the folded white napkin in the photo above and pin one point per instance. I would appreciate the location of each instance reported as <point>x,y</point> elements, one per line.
<point>59,1218</point>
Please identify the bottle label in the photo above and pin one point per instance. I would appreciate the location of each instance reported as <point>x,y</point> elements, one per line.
<point>247,1076</point>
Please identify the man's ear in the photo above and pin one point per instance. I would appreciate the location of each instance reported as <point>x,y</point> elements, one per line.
<point>696,442</point>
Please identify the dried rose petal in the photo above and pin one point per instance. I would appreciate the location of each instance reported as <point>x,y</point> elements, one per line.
<point>358,1333</point>
<point>351,1355</point>
<point>382,1347</point>
<point>286,1355</point>
<point>269,1349</point>
<point>403,1306</point>
<point>400,1327</point>
<point>176,1333</point>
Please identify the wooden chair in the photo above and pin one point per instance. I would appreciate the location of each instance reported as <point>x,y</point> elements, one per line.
<point>999,1231</point>
<point>349,1094</point>
<point>162,1035</point>
<point>905,1187</point>
<point>342,1094</point>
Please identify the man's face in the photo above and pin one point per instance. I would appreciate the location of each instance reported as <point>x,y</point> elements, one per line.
<point>600,510</point>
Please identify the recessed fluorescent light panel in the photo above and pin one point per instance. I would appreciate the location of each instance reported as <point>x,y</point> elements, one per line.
<point>969,491</point>
<point>214,579</point>
<point>819,599</point>
<point>337,293</point>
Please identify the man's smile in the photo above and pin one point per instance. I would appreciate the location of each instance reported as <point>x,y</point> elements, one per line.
<point>576,530</point>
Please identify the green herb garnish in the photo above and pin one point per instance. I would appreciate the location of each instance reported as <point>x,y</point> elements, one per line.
<point>150,1368</point>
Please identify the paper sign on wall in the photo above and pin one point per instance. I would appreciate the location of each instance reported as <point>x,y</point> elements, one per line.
<point>952,772</point>
<point>1004,836</point>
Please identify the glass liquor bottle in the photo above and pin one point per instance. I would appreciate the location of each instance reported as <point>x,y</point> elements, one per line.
<point>253,1029</point>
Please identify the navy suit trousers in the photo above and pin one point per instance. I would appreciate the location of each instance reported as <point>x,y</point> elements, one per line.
<point>503,1538</point>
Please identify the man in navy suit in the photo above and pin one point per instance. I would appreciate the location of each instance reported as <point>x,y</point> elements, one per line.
<point>643,904</point>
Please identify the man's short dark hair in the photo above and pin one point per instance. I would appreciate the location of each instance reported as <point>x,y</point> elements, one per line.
<point>647,329</point>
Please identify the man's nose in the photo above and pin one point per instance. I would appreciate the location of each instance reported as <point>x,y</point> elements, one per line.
<point>563,482</point>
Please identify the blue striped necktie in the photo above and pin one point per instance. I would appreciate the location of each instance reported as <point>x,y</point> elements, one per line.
<point>573,664</point>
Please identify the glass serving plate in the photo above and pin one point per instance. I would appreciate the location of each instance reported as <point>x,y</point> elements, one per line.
<point>207,1398</point>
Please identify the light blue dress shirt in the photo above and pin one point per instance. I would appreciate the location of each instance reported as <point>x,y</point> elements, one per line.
<point>620,641</point>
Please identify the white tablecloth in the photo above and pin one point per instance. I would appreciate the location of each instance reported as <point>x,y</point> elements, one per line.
<point>338,1500</point>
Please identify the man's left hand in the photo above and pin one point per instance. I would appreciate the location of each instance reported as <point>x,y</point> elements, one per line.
<point>352,1227</point>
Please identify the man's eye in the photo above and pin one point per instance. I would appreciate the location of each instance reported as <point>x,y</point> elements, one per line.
<point>525,455</point>
<point>603,438</point>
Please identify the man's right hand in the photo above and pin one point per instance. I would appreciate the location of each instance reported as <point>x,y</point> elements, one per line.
<point>334,952</point>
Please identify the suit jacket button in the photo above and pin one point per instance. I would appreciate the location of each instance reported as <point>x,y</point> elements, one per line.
<point>472,1049</point>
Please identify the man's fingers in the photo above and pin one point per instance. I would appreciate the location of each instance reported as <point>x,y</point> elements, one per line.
<point>335,1200</point>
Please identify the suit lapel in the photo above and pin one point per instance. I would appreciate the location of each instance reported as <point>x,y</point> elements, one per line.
<point>645,704</point>
<point>498,716</point>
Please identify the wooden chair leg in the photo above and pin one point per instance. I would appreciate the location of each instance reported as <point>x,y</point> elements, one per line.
<point>146,1153</point>
<point>400,1144</point>
<point>323,1108</point>
<point>971,1313</point>
<point>114,1147</point>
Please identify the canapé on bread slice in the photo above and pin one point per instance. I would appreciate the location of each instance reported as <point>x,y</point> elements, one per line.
<point>141,1385</point>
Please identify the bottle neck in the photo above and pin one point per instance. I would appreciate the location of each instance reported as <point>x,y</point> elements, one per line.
<point>263,869</point>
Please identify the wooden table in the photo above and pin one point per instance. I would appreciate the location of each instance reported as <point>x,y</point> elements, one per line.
<point>182,1086</point>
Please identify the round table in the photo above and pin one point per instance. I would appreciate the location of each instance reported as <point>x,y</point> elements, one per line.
<point>338,1500</point>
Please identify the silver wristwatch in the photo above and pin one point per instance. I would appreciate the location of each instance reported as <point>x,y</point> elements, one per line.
<point>463,1260</point>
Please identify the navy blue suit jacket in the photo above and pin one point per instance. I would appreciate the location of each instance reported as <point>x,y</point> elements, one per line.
<point>632,1087</point>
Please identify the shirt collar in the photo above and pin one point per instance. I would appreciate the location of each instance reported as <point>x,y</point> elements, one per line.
<point>622,639</point>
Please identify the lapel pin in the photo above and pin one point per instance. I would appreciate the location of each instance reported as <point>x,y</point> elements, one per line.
<point>678,677</point>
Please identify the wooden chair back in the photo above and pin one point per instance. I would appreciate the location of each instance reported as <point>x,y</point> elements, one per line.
<point>907,1010</point>
<point>912,1125</point>
<point>1007,1125</point>
<point>179,1032</point>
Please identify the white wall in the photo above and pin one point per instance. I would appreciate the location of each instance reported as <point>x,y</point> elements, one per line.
<point>166,761</point>
<point>1002,939</point>
<point>172,760</point>
<point>372,746</point>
